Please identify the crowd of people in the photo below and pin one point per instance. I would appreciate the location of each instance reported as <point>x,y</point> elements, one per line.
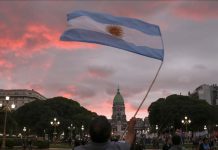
<point>198,143</point>
<point>100,139</point>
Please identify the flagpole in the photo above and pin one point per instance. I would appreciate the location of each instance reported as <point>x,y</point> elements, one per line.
<point>146,95</point>
<point>152,83</point>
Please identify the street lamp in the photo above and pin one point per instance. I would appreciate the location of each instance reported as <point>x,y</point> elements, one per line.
<point>24,129</point>
<point>82,128</point>
<point>71,128</point>
<point>186,121</point>
<point>24,136</point>
<point>148,130</point>
<point>205,129</point>
<point>55,123</point>
<point>156,127</point>
<point>6,108</point>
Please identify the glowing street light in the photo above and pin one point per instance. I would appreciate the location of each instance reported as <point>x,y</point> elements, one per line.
<point>24,129</point>
<point>71,128</point>
<point>186,121</point>
<point>55,123</point>
<point>25,136</point>
<point>205,127</point>
<point>156,127</point>
<point>82,128</point>
<point>6,108</point>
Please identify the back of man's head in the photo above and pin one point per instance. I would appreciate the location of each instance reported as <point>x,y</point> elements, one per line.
<point>176,140</point>
<point>100,129</point>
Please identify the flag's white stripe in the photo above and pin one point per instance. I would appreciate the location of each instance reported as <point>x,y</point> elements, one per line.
<point>144,27</point>
<point>136,37</point>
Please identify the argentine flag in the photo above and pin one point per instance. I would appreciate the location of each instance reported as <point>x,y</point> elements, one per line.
<point>124,33</point>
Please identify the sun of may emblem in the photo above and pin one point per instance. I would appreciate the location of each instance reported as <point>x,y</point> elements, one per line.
<point>114,30</point>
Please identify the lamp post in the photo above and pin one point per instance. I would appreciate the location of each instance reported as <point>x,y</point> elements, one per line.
<point>24,136</point>
<point>186,121</point>
<point>156,127</point>
<point>71,128</point>
<point>55,123</point>
<point>82,128</point>
<point>6,108</point>
<point>205,129</point>
<point>24,129</point>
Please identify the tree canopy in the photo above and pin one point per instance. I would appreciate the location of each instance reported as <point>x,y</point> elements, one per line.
<point>170,111</point>
<point>37,115</point>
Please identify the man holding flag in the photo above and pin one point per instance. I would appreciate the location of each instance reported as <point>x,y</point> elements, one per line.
<point>100,133</point>
<point>127,34</point>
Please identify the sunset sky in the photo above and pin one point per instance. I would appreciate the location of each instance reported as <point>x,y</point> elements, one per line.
<point>33,57</point>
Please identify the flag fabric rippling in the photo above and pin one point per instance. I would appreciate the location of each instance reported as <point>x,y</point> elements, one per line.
<point>124,33</point>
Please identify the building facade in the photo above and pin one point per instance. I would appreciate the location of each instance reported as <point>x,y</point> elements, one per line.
<point>118,121</point>
<point>208,93</point>
<point>19,97</point>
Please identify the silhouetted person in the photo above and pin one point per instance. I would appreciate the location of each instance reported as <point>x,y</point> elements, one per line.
<point>29,142</point>
<point>205,145</point>
<point>177,143</point>
<point>24,143</point>
<point>167,145</point>
<point>100,133</point>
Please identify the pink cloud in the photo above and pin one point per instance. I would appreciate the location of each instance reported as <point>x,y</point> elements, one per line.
<point>69,92</point>
<point>36,38</point>
<point>66,94</point>
<point>103,107</point>
<point>6,68</point>
<point>37,87</point>
<point>166,93</point>
<point>46,65</point>
<point>4,64</point>
<point>131,110</point>
<point>99,72</point>
<point>196,11</point>
<point>43,64</point>
<point>94,73</point>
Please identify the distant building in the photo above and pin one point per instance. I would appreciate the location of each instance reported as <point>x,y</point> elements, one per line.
<point>20,96</point>
<point>119,122</point>
<point>140,125</point>
<point>146,123</point>
<point>208,93</point>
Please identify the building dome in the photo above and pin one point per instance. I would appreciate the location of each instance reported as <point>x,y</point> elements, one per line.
<point>118,99</point>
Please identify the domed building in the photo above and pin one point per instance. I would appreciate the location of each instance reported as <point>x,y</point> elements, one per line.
<point>118,120</point>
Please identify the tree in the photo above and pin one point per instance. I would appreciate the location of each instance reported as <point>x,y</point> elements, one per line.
<point>37,115</point>
<point>170,111</point>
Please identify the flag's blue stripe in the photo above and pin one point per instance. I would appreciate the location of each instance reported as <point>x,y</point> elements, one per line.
<point>105,39</point>
<point>109,19</point>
